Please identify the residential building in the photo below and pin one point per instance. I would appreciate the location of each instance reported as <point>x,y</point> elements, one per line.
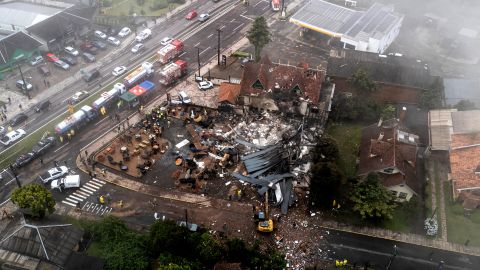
<point>389,149</point>
<point>372,30</point>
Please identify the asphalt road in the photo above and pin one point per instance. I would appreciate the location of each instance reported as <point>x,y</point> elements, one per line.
<point>377,252</point>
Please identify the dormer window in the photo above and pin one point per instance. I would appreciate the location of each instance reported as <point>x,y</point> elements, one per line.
<point>296,89</point>
<point>257,85</point>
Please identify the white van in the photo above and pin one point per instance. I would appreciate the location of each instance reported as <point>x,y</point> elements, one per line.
<point>70,181</point>
<point>145,34</point>
<point>184,97</point>
<point>12,136</point>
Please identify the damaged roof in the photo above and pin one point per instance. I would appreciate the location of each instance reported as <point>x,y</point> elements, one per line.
<point>464,162</point>
<point>228,92</point>
<point>266,77</point>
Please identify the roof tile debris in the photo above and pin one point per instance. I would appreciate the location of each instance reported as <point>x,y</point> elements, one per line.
<point>464,161</point>
<point>228,92</point>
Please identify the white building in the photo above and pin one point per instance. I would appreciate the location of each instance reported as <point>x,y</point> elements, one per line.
<point>372,30</point>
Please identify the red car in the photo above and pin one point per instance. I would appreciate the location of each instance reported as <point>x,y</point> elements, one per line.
<point>51,57</point>
<point>192,14</point>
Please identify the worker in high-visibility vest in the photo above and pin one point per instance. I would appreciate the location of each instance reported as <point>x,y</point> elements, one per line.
<point>61,139</point>
<point>101,200</point>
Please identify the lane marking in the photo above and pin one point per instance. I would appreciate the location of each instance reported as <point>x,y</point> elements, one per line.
<point>72,200</point>
<point>76,198</point>
<point>196,44</point>
<point>259,2</point>
<point>97,185</point>
<point>238,27</point>
<point>99,122</point>
<point>71,204</point>
<point>209,36</point>
<point>99,181</point>
<point>91,185</point>
<point>81,196</point>
<point>223,26</point>
<point>83,193</point>
<point>61,147</point>
<point>204,50</point>
<point>87,191</point>
<point>246,18</point>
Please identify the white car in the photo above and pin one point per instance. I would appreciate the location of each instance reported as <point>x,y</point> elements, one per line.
<point>119,71</point>
<point>204,85</point>
<point>36,60</point>
<point>146,33</point>
<point>53,173</point>
<point>138,47</point>
<point>100,34</point>
<point>71,51</point>
<point>79,96</point>
<point>203,17</point>
<point>113,41</point>
<point>124,32</point>
<point>166,41</point>
<point>12,136</point>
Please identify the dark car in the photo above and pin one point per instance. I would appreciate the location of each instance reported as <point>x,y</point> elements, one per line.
<point>89,48</point>
<point>99,44</point>
<point>91,75</point>
<point>43,145</point>
<point>24,159</point>
<point>42,106</point>
<point>88,57</point>
<point>69,60</point>
<point>18,119</point>
<point>44,70</point>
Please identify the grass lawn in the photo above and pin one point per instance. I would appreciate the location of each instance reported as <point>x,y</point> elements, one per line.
<point>347,136</point>
<point>125,8</point>
<point>461,228</point>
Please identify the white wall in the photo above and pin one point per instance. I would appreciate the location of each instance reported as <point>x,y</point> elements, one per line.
<point>402,188</point>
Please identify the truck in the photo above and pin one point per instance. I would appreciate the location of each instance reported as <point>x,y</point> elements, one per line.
<point>107,98</point>
<point>138,75</point>
<point>76,120</point>
<point>70,181</point>
<point>275,5</point>
<point>172,72</point>
<point>170,51</point>
<point>143,88</point>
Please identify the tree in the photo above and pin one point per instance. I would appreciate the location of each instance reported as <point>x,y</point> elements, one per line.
<point>34,198</point>
<point>326,150</point>
<point>354,108</point>
<point>109,229</point>
<point>259,35</point>
<point>388,112</point>
<point>126,253</point>
<point>432,98</point>
<point>325,184</point>
<point>208,249</point>
<point>465,105</point>
<point>372,200</point>
<point>166,235</point>
<point>361,80</point>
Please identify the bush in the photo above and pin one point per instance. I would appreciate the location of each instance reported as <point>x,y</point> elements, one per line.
<point>159,4</point>
<point>142,12</point>
<point>180,2</point>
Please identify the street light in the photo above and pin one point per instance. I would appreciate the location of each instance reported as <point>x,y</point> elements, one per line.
<point>15,176</point>
<point>394,254</point>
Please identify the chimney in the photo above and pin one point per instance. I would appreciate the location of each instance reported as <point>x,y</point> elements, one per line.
<point>402,115</point>
<point>380,136</point>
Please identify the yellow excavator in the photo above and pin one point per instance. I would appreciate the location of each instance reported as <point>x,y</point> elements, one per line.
<point>265,224</point>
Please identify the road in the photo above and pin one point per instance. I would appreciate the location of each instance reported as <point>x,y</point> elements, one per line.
<point>230,17</point>
<point>377,252</point>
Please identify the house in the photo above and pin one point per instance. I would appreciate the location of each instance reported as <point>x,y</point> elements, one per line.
<point>389,149</point>
<point>372,30</point>
<point>270,86</point>
<point>228,93</point>
<point>399,79</point>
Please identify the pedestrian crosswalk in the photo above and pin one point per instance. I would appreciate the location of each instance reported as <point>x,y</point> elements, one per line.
<point>96,208</point>
<point>84,192</point>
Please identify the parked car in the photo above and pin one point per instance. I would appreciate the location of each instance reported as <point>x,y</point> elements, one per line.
<point>203,17</point>
<point>12,136</point>
<point>42,106</point>
<point>204,85</point>
<point>89,48</point>
<point>138,47</point>
<point>88,57</point>
<point>24,86</point>
<point>113,41</point>
<point>2,130</point>
<point>124,32</point>
<point>24,159</point>
<point>70,181</point>
<point>166,40</point>
<point>119,71</point>
<point>61,64</point>
<point>78,96</point>
<point>192,14</point>
<point>43,145</point>
<point>44,70</point>
<point>36,60</point>
<point>145,34</point>
<point>184,98</point>
<point>91,75</point>
<point>53,173</point>
<point>51,57</point>
<point>69,60</point>
<point>99,44</point>
<point>100,34</point>
<point>18,119</point>
<point>72,51</point>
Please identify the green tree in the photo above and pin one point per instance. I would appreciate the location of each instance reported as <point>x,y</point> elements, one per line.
<point>361,80</point>
<point>259,35</point>
<point>372,200</point>
<point>208,249</point>
<point>35,198</point>
<point>109,229</point>
<point>325,184</point>
<point>388,112</point>
<point>126,253</point>
<point>174,266</point>
<point>465,105</point>
<point>432,98</point>
<point>326,150</point>
<point>237,250</point>
<point>166,235</point>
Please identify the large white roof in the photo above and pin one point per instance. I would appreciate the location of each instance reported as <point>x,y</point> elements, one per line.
<point>21,14</point>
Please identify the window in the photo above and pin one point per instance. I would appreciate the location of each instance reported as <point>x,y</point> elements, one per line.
<point>296,89</point>
<point>389,170</point>
<point>394,193</point>
<point>402,195</point>
<point>257,84</point>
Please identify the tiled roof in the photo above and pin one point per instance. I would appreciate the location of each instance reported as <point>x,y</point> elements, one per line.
<point>380,148</point>
<point>228,92</point>
<point>464,160</point>
<point>281,80</point>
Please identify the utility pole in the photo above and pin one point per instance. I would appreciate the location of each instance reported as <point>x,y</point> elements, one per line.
<point>218,45</point>
<point>198,59</point>
<point>15,176</point>
<point>23,80</point>
<point>395,250</point>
